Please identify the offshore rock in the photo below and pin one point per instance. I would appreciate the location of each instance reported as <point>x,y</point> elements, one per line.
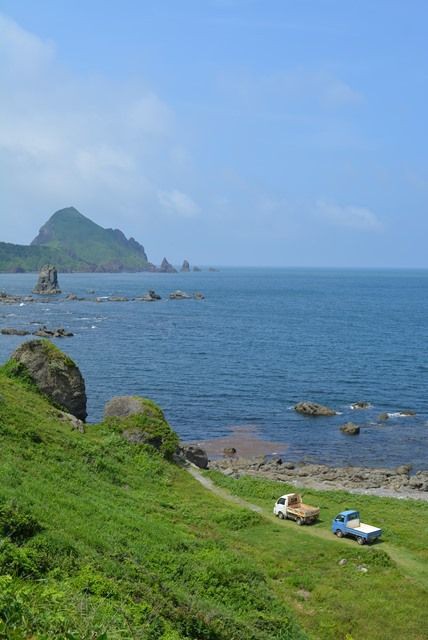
<point>313,409</point>
<point>44,332</point>
<point>185,267</point>
<point>350,429</point>
<point>166,267</point>
<point>150,296</point>
<point>54,374</point>
<point>179,295</point>
<point>47,283</point>
<point>197,269</point>
<point>10,331</point>
<point>361,404</point>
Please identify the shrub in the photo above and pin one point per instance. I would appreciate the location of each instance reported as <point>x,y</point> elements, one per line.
<point>16,523</point>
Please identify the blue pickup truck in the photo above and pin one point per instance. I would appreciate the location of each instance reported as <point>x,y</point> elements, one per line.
<point>348,523</point>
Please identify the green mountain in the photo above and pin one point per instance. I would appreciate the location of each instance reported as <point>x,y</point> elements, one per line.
<point>73,242</point>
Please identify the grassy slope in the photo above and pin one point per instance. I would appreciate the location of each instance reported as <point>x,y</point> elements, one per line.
<point>15,257</point>
<point>131,546</point>
<point>387,601</point>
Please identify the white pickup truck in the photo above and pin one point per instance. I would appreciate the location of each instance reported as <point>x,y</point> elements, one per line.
<point>291,506</point>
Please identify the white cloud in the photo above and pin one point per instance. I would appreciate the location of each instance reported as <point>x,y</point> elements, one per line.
<point>151,115</point>
<point>101,145</point>
<point>21,51</point>
<point>354,217</point>
<point>178,203</point>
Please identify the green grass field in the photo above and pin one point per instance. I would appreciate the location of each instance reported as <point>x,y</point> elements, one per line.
<point>102,539</point>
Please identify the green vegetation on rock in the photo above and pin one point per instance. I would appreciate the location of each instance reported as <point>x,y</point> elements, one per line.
<point>73,242</point>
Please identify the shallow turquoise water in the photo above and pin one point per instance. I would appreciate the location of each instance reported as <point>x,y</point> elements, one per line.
<point>262,340</point>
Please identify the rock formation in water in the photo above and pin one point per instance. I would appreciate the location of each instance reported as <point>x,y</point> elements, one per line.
<point>47,283</point>
<point>185,267</point>
<point>350,429</point>
<point>166,267</point>
<point>313,409</point>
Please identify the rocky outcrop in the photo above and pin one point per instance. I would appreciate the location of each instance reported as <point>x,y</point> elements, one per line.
<point>72,421</point>
<point>44,332</point>
<point>350,429</point>
<point>179,295</point>
<point>124,406</point>
<point>150,296</point>
<point>9,331</point>
<point>141,422</point>
<point>47,283</point>
<point>361,404</point>
<point>185,267</point>
<point>313,409</point>
<point>196,269</point>
<point>166,267</point>
<point>198,295</point>
<point>54,374</point>
<point>195,455</point>
<point>377,481</point>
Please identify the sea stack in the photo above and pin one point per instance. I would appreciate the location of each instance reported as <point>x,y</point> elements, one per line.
<point>185,268</point>
<point>47,283</point>
<point>166,267</point>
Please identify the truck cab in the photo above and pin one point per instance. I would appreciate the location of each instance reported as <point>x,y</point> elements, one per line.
<point>348,523</point>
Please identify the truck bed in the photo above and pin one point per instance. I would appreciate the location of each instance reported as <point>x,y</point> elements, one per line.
<point>365,528</point>
<point>360,527</point>
<point>304,510</point>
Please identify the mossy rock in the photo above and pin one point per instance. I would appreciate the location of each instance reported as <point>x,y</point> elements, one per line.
<point>42,364</point>
<point>141,422</point>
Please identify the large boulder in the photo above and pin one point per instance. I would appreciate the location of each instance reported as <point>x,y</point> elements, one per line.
<point>47,283</point>
<point>140,421</point>
<point>54,374</point>
<point>313,409</point>
<point>195,454</point>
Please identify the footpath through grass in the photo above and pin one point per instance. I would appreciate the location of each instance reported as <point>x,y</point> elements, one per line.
<point>345,601</point>
<point>103,539</point>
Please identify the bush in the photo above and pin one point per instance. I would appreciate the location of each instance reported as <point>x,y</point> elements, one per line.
<point>16,523</point>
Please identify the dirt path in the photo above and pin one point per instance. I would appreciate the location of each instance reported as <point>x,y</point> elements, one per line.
<point>408,563</point>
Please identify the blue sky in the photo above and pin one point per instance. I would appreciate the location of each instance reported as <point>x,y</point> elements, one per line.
<point>235,132</point>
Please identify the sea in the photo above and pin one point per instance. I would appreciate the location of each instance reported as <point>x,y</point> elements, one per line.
<point>262,340</point>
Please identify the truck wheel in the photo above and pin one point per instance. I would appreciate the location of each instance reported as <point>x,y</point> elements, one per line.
<point>281,516</point>
<point>299,521</point>
<point>339,533</point>
<point>360,540</point>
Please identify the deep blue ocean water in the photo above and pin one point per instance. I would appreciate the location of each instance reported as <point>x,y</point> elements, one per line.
<point>262,340</point>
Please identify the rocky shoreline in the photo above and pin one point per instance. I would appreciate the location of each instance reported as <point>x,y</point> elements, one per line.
<point>396,483</point>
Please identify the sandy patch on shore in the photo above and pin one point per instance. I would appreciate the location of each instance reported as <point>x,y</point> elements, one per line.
<point>245,440</point>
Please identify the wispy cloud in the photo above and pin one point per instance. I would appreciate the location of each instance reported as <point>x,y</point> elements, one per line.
<point>352,216</point>
<point>101,145</point>
<point>178,203</point>
<point>296,85</point>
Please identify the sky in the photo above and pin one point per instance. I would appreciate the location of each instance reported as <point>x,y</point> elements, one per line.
<point>227,132</point>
